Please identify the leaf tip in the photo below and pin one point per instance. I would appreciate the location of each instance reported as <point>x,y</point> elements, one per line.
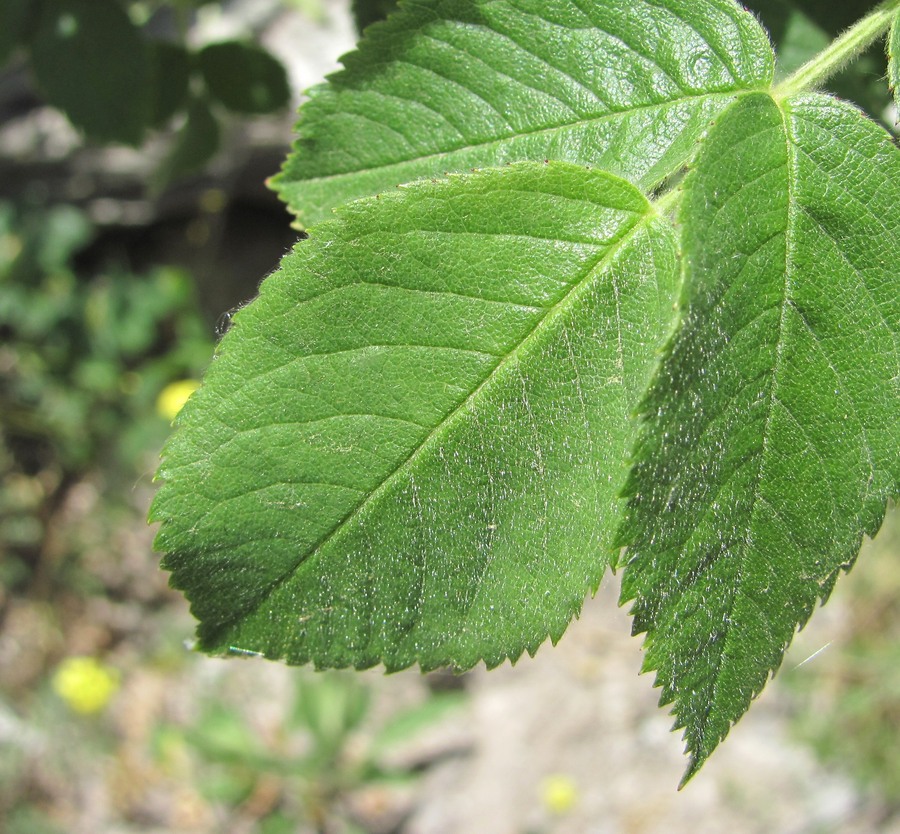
<point>697,756</point>
<point>692,769</point>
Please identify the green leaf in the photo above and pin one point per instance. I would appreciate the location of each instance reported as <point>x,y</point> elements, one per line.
<point>171,65</point>
<point>367,12</point>
<point>17,19</point>
<point>244,77</point>
<point>447,85</point>
<point>407,724</point>
<point>409,447</point>
<point>780,18</point>
<point>90,61</point>
<point>893,46</point>
<point>795,35</point>
<point>772,436</point>
<point>195,144</point>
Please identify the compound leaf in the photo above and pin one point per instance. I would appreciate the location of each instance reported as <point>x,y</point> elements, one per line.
<point>447,85</point>
<point>772,439</point>
<point>409,447</point>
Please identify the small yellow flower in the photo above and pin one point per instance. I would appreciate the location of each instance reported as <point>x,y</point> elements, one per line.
<point>559,793</point>
<point>173,397</point>
<point>85,684</point>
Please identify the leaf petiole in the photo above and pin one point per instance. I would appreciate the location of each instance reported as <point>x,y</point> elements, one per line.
<point>840,52</point>
<point>665,204</point>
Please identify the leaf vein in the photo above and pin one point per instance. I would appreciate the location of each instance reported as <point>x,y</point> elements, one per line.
<point>498,141</point>
<point>858,273</point>
<point>724,58</point>
<point>452,81</point>
<point>604,259</point>
<point>810,444</point>
<point>480,58</point>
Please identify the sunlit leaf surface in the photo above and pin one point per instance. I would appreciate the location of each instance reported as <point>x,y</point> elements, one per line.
<point>409,447</point>
<point>448,85</point>
<point>772,434</point>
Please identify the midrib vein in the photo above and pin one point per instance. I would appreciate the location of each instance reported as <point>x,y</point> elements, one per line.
<point>556,311</point>
<point>497,141</point>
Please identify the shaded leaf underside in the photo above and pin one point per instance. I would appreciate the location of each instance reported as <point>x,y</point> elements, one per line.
<point>408,448</point>
<point>449,85</point>
<point>772,434</point>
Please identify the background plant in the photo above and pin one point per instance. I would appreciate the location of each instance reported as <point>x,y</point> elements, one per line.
<point>84,361</point>
<point>848,710</point>
<point>328,751</point>
<point>141,72</point>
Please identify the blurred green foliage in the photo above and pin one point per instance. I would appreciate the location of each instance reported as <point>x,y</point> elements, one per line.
<point>82,360</point>
<point>367,12</point>
<point>105,65</point>
<point>328,747</point>
<point>243,77</point>
<point>849,707</point>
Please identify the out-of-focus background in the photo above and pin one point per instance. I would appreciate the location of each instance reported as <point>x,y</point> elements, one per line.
<point>127,233</point>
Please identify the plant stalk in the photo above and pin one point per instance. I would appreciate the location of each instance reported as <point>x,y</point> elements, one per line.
<point>666,200</point>
<point>841,51</point>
